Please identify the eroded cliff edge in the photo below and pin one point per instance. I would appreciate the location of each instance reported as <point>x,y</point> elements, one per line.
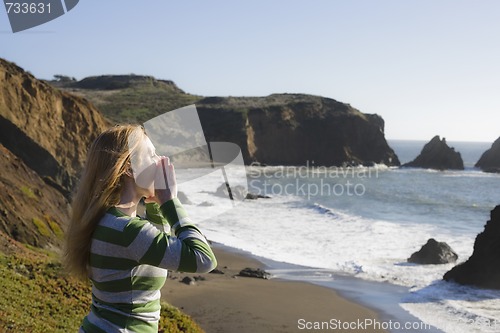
<point>297,129</point>
<point>44,135</point>
<point>280,129</point>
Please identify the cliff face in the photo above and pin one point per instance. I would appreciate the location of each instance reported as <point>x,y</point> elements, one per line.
<point>48,129</point>
<point>482,269</point>
<point>30,211</point>
<point>438,155</point>
<point>45,132</point>
<point>291,129</point>
<point>490,160</point>
<point>277,129</point>
<point>44,135</point>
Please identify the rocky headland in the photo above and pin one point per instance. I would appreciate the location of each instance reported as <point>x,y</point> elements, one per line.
<point>436,154</point>
<point>44,135</point>
<point>490,159</point>
<point>296,129</point>
<point>280,129</point>
<point>46,127</point>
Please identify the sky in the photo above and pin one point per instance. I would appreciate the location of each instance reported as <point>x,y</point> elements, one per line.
<point>428,67</point>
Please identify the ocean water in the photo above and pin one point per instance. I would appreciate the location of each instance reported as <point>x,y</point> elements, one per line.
<point>364,223</point>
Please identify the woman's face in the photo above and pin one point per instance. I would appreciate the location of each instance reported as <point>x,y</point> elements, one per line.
<point>144,161</point>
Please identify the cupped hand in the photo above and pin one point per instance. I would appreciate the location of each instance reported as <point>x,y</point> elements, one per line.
<point>165,182</point>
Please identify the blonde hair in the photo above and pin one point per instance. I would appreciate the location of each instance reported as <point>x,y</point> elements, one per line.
<point>99,189</point>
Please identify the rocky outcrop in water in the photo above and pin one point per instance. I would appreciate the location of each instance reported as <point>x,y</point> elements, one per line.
<point>490,160</point>
<point>482,269</point>
<point>433,253</point>
<point>436,154</point>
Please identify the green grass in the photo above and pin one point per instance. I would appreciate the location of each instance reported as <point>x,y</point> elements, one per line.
<point>28,192</point>
<point>138,103</point>
<point>174,320</point>
<point>56,229</point>
<point>38,297</point>
<point>41,227</point>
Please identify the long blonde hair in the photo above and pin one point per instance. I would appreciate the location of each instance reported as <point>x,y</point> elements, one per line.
<point>99,189</point>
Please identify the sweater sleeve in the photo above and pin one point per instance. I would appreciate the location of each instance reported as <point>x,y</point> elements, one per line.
<point>186,250</point>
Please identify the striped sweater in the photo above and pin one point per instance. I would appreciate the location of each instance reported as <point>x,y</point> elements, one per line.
<point>129,259</point>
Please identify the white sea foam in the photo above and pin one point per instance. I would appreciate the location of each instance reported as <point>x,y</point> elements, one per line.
<point>315,234</point>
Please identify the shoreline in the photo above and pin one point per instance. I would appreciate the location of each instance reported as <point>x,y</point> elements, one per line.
<point>381,297</point>
<point>225,303</point>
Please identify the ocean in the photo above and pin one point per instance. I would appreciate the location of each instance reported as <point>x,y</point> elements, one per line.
<point>332,225</point>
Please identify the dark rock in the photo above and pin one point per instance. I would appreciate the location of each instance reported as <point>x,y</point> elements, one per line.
<point>490,160</point>
<point>253,196</point>
<point>437,155</point>
<point>236,192</point>
<point>216,271</point>
<point>255,273</point>
<point>188,280</point>
<point>482,269</point>
<point>434,252</point>
<point>206,204</point>
<point>199,278</point>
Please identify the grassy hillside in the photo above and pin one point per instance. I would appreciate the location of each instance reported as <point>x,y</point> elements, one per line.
<point>39,297</point>
<point>44,135</point>
<point>129,98</point>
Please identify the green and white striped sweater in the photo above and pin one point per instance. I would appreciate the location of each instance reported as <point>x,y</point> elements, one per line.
<point>129,260</point>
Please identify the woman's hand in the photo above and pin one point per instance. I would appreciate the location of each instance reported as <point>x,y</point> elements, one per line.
<point>165,182</point>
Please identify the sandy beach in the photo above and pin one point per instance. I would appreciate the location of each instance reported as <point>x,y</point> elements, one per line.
<point>225,303</point>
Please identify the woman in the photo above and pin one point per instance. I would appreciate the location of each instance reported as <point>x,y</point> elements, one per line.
<point>125,256</point>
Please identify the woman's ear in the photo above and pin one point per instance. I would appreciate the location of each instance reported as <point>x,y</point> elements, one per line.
<point>128,170</point>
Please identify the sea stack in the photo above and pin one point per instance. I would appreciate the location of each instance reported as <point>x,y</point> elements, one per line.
<point>490,160</point>
<point>436,154</point>
<point>482,268</point>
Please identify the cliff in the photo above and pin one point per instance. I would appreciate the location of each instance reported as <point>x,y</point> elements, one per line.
<point>31,211</point>
<point>490,159</point>
<point>277,129</point>
<point>482,269</point>
<point>291,129</point>
<point>45,132</point>
<point>48,129</point>
<point>436,154</point>
<point>44,135</point>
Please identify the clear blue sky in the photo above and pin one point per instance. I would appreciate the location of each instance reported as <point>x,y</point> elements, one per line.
<point>426,66</point>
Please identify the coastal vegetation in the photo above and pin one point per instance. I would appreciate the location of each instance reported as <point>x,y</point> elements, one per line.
<point>38,296</point>
<point>43,146</point>
<point>39,173</point>
<point>129,98</point>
